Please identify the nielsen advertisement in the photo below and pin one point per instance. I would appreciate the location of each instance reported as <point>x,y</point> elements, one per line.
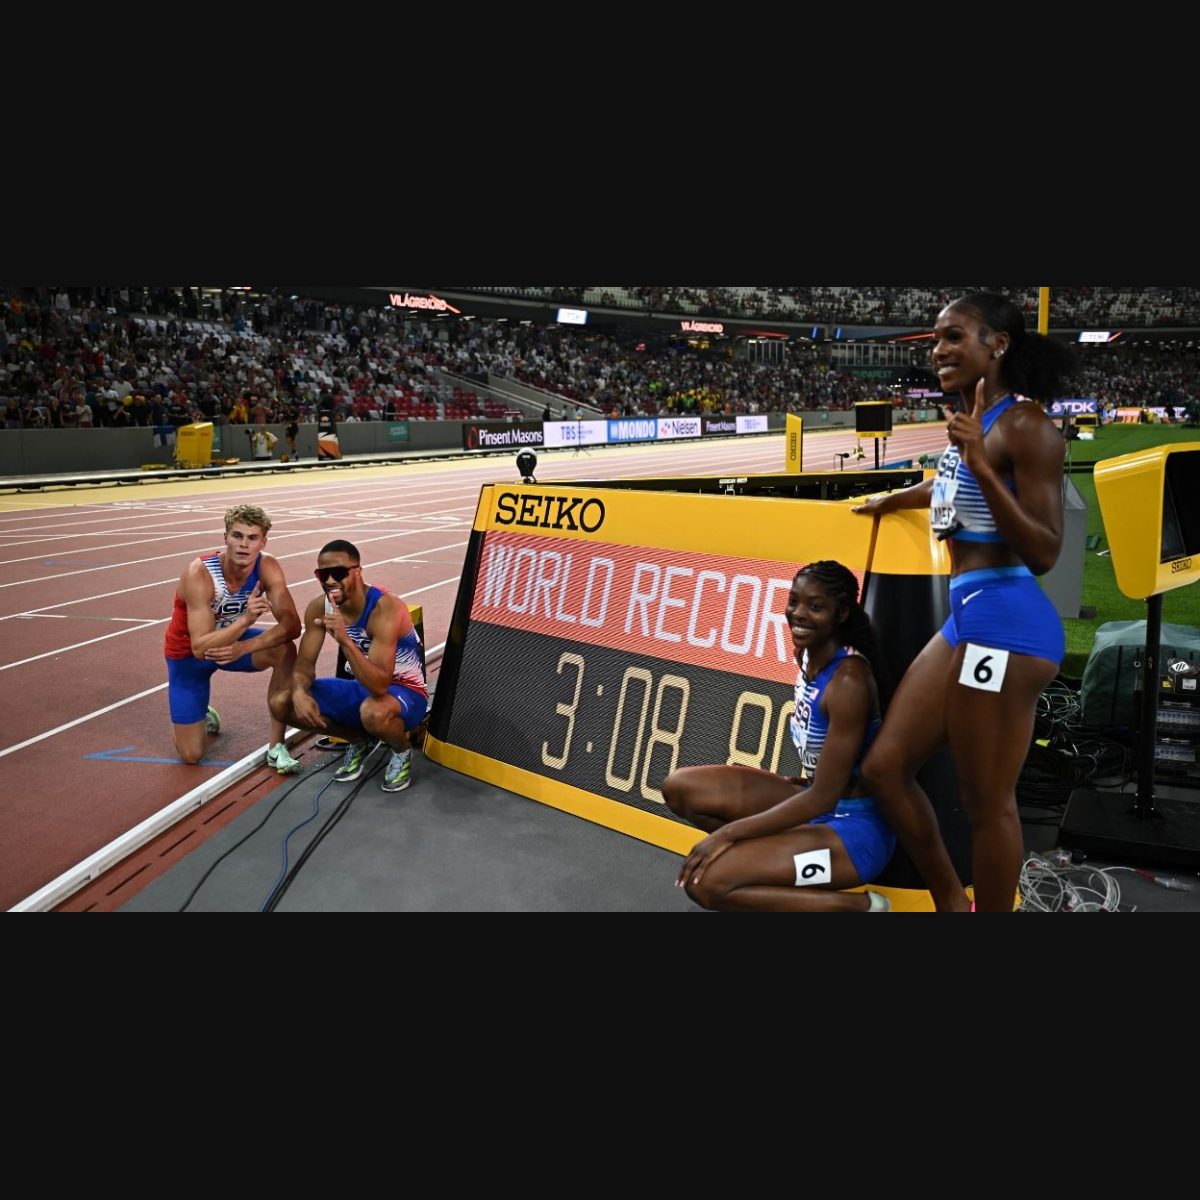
<point>679,427</point>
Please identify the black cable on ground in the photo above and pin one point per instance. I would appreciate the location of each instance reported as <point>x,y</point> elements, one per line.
<point>343,807</point>
<point>242,841</point>
<point>1070,753</point>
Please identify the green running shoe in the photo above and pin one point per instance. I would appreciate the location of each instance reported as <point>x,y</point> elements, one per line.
<point>352,763</point>
<point>399,771</point>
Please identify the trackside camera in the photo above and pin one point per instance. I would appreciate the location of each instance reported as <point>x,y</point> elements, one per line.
<point>526,465</point>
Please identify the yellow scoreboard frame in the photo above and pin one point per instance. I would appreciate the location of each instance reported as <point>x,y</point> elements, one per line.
<point>1150,501</point>
<point>603,637</point>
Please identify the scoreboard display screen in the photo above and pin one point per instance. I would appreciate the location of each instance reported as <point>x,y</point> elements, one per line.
<point>603,637</point>
<point>873,418</point>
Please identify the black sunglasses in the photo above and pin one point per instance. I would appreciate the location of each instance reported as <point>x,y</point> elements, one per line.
<point>337,574</point>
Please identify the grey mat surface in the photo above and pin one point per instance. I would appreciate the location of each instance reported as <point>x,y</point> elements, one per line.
<point>447,844</point>
<point>453,844</point>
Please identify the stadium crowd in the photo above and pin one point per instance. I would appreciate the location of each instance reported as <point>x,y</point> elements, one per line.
<point>918,307</point>
<point>162,357</point>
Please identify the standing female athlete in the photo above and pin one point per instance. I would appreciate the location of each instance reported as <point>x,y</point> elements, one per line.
<point>998,500</point>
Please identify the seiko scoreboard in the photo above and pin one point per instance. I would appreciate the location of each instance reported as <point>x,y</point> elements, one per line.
<point>604,636</point>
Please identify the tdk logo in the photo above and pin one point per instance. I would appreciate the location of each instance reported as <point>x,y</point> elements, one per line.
<point>549,512</point>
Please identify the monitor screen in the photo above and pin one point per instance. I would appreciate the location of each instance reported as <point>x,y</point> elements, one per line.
<point>872,417</point>
<point>1172,535</point>
<point>1181,508</point>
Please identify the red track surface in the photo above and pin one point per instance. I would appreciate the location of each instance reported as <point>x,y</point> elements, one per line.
<point>86,586</point>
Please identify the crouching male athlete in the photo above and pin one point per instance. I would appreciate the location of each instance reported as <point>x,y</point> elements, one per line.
<point>220,596</point>
<point>383,693</point>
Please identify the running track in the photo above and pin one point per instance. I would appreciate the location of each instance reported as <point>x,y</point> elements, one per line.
<point>87,579</point>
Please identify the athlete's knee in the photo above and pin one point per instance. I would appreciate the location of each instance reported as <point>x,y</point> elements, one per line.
<point>677,790</point>
<point>989,805</point>
<point>276,657</point>
<point>674,789</point>
<point>709,892</point>
<point>879,771</point>
<point>376,712</point>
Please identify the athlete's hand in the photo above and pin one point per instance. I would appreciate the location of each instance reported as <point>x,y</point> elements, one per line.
<point>703,855</point>
<point>875,507</point>
<point>335,625</point>
<point>228,654</point>
<point>306,710</point>
<point>258,604</point>
<point>965,431</point>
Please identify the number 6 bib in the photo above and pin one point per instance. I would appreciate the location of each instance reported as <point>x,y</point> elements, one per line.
<point>983,668</point>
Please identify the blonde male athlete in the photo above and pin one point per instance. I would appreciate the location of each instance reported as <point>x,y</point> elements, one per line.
<point>220,596</point>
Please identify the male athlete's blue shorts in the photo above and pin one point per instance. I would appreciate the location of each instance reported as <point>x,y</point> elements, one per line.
<point>189,682</point>
<point>1004,609</point>
<point>868,838</point>
<point>341,699</point>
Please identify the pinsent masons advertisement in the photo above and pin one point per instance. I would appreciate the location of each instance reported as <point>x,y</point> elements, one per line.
<point>508,435</point>
<point>502,435</point>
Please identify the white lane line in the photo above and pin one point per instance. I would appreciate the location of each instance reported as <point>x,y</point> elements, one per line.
<point>48,537</point>
<point>41,616</point>
<point>430,588</point>
<point>80,645</point>
<point>441,516</point>
<point>41,737</point>
<point>94,549</point>
<point>309,554</point>
<point>146,623</point>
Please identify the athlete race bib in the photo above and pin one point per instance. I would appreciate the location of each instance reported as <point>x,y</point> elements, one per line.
<point>941,505</point>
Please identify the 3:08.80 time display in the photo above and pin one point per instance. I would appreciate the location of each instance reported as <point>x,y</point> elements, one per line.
<point>610,722</point>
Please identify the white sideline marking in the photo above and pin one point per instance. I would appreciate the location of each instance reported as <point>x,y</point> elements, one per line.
<point>41,737</point>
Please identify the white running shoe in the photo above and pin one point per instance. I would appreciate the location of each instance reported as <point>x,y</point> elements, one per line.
<point>279,758</point>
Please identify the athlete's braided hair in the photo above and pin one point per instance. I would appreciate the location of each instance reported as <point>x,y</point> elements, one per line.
<point>857,630</point>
